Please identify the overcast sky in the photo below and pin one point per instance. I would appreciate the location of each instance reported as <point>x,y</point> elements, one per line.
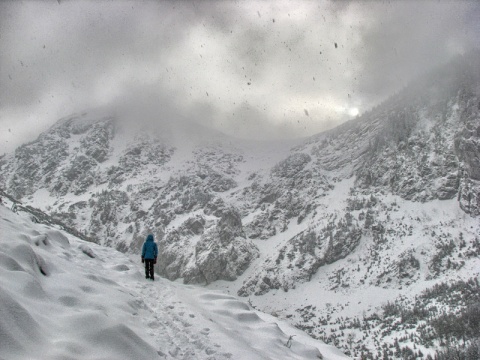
<point>248,68</point>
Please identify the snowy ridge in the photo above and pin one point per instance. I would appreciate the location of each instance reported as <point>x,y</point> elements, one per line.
<point>64,298</point>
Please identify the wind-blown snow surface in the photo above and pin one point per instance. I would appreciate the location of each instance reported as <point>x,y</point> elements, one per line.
<point>63,298</point>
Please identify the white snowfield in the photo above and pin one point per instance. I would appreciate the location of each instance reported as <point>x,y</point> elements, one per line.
<point>63,298</point>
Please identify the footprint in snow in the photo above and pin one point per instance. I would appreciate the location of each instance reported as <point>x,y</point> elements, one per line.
<point>210,351</point>
<point>121,267</point>
<point>154,325</point>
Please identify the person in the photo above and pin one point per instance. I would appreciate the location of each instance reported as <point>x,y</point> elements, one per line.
<point>149,256</point>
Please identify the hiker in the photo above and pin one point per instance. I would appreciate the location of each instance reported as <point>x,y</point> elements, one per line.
<point>149,256</point>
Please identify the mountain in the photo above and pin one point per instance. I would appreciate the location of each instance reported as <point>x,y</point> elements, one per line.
<point>64,298</point>
<point>330,232</point>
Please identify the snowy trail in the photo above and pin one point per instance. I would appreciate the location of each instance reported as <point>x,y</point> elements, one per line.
<point>172,326</point>
<point>188,322</point>
<point>167,321</point>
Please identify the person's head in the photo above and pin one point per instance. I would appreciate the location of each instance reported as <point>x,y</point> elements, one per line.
<point>150,237</point>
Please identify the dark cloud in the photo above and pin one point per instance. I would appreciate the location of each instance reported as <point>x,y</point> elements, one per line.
<point>405,39</point>
<point>261,63</point>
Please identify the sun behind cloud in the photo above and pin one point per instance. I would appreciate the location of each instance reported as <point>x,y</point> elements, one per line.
<point>353,111</point>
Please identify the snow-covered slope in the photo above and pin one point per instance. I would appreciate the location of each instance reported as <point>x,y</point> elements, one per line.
<point>373,213</point>
<point>61,297</point>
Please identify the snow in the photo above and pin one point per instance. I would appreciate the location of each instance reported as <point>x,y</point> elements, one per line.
<point>63,298</point>
<point>359,299</point>
<point>42,199</point>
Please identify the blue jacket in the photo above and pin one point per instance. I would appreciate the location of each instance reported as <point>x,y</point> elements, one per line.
<point>149,249</point>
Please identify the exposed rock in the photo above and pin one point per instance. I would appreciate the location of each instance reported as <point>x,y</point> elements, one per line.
<point>300,259</point>
<point>291,166</point>
<point>266,224</point>
<point>222,252</point>
<point>467,146</point>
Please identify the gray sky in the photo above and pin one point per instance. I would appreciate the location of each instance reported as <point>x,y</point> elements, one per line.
<point>248,68</point>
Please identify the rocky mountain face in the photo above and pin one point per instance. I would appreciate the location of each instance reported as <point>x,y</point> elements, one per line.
<point>429,146</point>
<point>114,186</point>
<point>387,200</point>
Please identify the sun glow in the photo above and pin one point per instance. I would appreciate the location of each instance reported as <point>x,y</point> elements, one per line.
<point>353,111</point>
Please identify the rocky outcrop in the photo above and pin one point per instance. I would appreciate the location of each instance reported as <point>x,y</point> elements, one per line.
<point>291,166</point>
<point>417,161</point>
<point>428,144</point>
<point>266,224</point>
<point>36,165</point>
<point>467,146</point>
<point>200,255</point>
<point>289,191</point>
<point>302,256</point>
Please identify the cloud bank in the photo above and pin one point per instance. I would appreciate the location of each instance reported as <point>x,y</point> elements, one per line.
<point>267,69</point>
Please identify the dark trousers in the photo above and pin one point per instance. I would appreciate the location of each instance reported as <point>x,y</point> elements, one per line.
<point>149,268</point>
